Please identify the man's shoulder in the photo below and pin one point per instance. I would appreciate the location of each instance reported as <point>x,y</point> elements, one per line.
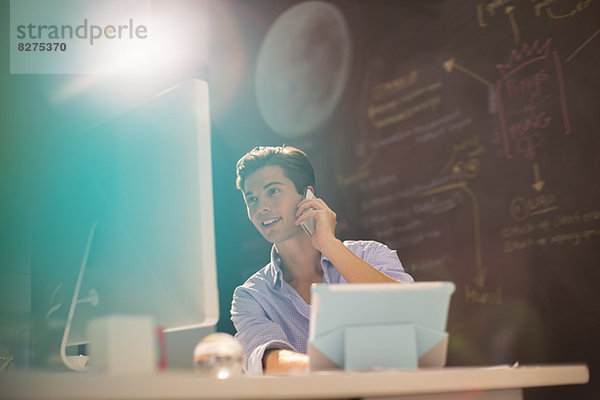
<point>259,280</point>
<point>359,247</point>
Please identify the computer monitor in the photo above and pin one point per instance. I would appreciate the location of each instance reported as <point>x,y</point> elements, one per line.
<point>127,223</point>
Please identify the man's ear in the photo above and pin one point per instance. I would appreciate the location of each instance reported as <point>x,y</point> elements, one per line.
<point>311,188</point>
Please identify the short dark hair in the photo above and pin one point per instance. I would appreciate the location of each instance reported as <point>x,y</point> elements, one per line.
<point>294,162</point>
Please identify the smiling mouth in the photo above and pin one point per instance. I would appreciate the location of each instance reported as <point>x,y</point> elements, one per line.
<point>270,222</point>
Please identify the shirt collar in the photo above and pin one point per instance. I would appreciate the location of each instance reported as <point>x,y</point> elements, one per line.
<point>276,267</point>
<point>277,273</point>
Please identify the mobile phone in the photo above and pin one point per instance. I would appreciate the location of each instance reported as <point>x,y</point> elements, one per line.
<point>309,225</point>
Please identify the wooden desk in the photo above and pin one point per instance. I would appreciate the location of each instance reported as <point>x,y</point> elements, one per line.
<point>444,383</point>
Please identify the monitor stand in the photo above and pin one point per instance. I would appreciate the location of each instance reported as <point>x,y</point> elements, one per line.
<point>78,362</point>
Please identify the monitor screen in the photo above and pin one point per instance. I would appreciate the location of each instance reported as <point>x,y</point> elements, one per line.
<point>137,193</point>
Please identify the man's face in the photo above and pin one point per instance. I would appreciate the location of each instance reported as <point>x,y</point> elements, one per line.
<point>272,200</point>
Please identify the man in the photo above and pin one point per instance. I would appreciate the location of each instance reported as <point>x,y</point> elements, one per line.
<point>271,311</point>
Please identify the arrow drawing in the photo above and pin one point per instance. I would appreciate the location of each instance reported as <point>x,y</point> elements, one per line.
<point>538,184</point>
<point>481,271</point>
<point>450,64</point>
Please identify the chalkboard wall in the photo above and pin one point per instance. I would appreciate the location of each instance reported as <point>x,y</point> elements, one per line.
<point>466,137</point>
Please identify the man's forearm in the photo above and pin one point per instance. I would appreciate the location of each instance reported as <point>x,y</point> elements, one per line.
<point>284,362</point>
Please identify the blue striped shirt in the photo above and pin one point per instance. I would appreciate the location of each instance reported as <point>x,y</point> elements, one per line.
<point>269,314</point>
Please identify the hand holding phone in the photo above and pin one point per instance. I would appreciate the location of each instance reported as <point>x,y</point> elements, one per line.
<point>309,225</point>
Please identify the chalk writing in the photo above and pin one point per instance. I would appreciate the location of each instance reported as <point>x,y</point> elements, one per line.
<point>421,132</point>
<point>521,208</point>
<point>363,172</point>
<point>374,111</point>
<point>445,119</point>
<point>429,104</point>
<point>556,222</point>
<point>518,230</point>
<point>525,229</point>
<point>491,8</point>
<point>510,11</point>
<point>407,193</point>
<point>480,19</point>
<point>384,89</point>
<point>512,245</point>
<point>566,219</point>
<point>476,296</point>
<point>395,138</point>
<point>526,141</point>
<point>530,86</point>
<point>435,204</point>
<point>562,239</point>
<point>379,181</point>
<point>396,229</point>
<point>416,239</point>
<point>389,105</point>
<point>429,206</point>
<point>527,84</point>
<point>493,5</point>
<point>429,264</point>
<point>591,216</point>
<point>574,238</point>
<point>457,127</point>
<point>470,166</point>
<point>429,88</point>
<point>544,232</point>
<point>430,135</point>
<point>538,7</point>
<point>579,7</point>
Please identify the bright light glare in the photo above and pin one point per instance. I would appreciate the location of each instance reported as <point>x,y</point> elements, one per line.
<point>223,373</point>
<point>177,39</point>
<point>176,45</point>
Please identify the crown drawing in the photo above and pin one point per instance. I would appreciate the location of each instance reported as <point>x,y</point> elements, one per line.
<point>525,55</point>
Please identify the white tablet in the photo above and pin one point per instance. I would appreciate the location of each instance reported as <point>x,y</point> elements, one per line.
<point>366,326</point>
